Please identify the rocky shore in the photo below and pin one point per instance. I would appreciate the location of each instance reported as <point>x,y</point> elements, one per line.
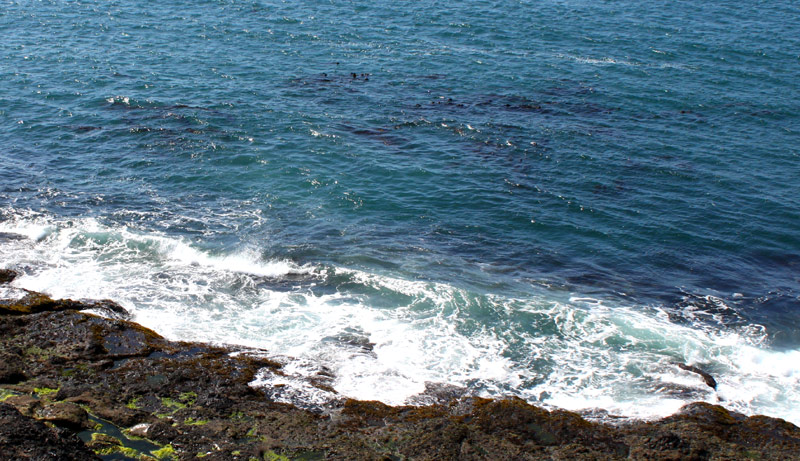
<point>78,385</point>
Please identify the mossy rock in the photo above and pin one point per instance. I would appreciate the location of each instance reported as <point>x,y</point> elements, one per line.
<point>710,414</point>
<point>372,413</point>
<point>25,404</point>
<point>165,452</point>
<point>103,443</point>
<point>272,456</point>
<point>31,303</point>
<point>195,422</point>
<point>45,391</point>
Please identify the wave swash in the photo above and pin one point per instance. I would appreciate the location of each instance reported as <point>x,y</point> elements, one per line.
<point>379,337</point>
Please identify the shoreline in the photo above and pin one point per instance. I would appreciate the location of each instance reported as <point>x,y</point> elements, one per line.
<point>92,386</point>
<point>384,335</point>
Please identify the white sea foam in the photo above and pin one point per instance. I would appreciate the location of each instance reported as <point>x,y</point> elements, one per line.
<point>610,61</point>
<point>550,348</point>
<point>28,224</point>
<point>119,100</point>
<point>292,384</point>
<point>11,293</point>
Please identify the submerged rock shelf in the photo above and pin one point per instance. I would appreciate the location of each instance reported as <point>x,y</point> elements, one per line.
<point>75,385</point>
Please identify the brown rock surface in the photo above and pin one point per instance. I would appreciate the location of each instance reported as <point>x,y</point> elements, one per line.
<point>64,414</point>
<point>22,437</point>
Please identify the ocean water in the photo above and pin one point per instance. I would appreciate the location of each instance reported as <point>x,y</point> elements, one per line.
<point>558,200</point>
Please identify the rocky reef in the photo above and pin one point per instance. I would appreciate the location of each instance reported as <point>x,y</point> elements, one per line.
<point>78,385</point>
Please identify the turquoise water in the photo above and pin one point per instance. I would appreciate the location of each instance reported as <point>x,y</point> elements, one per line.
<point>556,200</point>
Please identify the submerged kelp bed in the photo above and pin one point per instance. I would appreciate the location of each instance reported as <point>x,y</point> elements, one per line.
<point>131,394</point>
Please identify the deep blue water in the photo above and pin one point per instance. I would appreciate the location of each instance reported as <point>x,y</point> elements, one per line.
<point>556,200</point>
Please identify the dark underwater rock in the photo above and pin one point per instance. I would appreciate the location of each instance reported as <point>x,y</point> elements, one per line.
<point>123,381</point>
<point>438,393</point>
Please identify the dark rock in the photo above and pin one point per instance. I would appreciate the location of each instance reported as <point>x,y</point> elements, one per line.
<point>437,393</point>
<point>126,341</point>
<point>7,275</point>
<point>31,303</point>
<point>107,409</point>
<point>678,391</point>
<point>710,414</point>
<point>10,370</point>
<point>64,414</point>
<point>707,378</point>
<point>22,437</point>
<point>355,339</point>
<point>72,392</point>
<point>8,236</point>
<point>25,404</point>
<point>103,443</point>
<point>107,307</point>
<point>34,302</point>
<point>163,430</point>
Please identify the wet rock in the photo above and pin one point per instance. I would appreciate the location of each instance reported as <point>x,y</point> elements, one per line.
<point>663,442</point>
<point>678,391</point>
<point>22,437</point>
<point>437,393</point>
<point>123,340</point>
<point>372,413</point>
<point>10,370</point>
<point>7,275</point>
<point>707,378</point>
<point>139,430</point>
<point>72,392</point>
<point>25,404</point>
<point>103,443</point>
<point>64,414</point>
<point>120,414</point>
<point>354,339</point>
<point>709,414</point>
<point>107,308</point>
<point>31,303</point>
<point>163,430</point>
<point>9,236</point>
